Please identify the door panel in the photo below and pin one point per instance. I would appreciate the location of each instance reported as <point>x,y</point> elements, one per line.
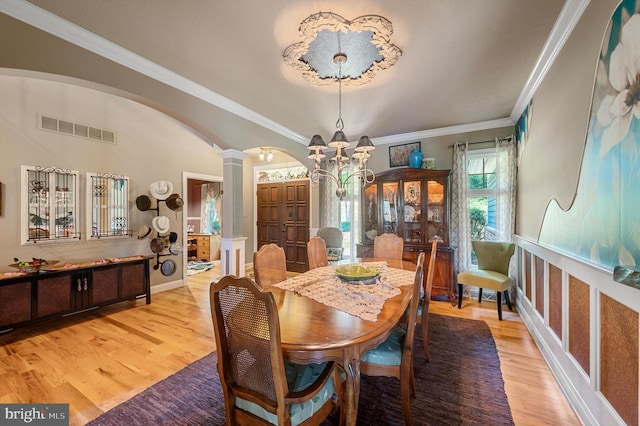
<point>297,224</point>
<point>283,219</point>
<point>133,279</point>
<point>105,285</point>
<point>54,295</point>
<point>269,222</point>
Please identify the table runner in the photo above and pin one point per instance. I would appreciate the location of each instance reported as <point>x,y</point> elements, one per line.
<point>364,300</point>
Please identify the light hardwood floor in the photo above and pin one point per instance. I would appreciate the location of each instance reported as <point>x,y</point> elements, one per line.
<point>97,360</point>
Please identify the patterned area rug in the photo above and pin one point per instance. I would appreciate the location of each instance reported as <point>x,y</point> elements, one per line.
<point>195,267</point>
<point>462,385</point>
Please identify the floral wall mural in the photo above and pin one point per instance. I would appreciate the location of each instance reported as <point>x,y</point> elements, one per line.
<point>522,129</point>
<point>602,225</point>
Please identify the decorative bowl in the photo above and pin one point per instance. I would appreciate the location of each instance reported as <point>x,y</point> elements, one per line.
<point>34,265</point>
<point>357,274</point>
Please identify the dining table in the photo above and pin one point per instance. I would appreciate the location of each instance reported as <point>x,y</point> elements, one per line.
<point>314,331</point>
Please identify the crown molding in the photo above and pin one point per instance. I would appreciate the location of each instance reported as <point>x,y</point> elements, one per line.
<point>53,24</point>
<point>444,131</point>
<point>562,29</point>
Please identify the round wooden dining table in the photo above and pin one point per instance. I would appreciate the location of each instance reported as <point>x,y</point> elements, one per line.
<point>312,332</point>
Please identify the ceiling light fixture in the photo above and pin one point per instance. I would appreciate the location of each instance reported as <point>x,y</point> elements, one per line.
<point>340,142</point>
<point>269,155</point>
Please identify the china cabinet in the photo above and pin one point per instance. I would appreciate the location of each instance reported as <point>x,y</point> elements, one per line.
<point>414,204</point>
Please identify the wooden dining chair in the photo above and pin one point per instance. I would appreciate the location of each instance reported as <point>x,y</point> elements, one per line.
<point>394,356</point>
<point>269,265</point>
<point>388,246</point>
<point>492,273</point>
<point>423,308</point>
<point>317,253</point>
<point>259,387</point>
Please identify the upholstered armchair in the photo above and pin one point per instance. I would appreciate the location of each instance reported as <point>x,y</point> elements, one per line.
<point>492,273</point>
<point>333,239</point>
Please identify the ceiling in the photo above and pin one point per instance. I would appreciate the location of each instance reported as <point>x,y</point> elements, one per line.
<point>465,64</point>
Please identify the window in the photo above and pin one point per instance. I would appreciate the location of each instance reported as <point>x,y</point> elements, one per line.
<point>481,169</point>
<point>345,218</point>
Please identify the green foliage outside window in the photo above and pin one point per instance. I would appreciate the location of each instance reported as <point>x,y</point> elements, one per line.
<point>478,222</point>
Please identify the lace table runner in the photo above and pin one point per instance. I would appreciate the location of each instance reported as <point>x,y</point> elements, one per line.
<point>362,300</point>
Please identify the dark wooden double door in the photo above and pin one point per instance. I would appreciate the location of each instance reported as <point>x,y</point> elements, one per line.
<point>283,219</point>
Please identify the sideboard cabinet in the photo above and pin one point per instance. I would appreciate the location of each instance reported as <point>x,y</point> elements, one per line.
<point>32,298</point>
<point>414,204</point>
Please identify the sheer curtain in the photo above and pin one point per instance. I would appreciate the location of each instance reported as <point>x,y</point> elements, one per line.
<point>211,191</point>
<point>356,211</point>
<point>330,200</point>
<point>460,221</point>
<point>506,172</point>
<point>331,206</point>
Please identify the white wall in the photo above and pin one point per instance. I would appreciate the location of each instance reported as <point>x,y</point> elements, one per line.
<point>150,146</point>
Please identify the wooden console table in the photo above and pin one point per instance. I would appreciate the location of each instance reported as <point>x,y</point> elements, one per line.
<point>37,297</point>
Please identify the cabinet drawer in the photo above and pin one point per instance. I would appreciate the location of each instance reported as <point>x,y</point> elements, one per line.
<point>203,253</point>
<point>203,242</point>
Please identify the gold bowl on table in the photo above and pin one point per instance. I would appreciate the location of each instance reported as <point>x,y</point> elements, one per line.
<point>357,274</point>
<point>34,265</point>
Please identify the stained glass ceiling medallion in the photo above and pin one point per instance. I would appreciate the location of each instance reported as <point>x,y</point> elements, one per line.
<point>364,41</point>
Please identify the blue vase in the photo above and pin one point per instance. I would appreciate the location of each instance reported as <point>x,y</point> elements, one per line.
<point>415,158</point>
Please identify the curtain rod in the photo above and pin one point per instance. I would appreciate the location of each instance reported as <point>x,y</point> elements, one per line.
<point>477,142</point>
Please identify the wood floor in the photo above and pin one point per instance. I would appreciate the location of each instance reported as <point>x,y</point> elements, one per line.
<point>97,360</point>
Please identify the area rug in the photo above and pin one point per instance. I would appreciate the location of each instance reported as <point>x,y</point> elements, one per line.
<point>462,385</point>
<point>196,267</point>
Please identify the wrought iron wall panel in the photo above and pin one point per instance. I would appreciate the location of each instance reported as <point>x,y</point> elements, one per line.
<point>50,204</point>
<point>107,204</point>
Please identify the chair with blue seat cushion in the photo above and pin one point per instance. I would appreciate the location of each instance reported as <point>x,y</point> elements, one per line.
<point>269,265</point>
<point>394,356</point>
<point>333,238</point>
<point>492,273</point>
<point>259,387</point>
<point>317,253</point>
<point>388,246</point>
<point>423,309</point>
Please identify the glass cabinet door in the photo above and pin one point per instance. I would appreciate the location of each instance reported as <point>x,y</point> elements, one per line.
<point>436,212</point>
<point>412,193</point>
<point>370,214</point>
<point>50,204</point>
<point>390,207</point>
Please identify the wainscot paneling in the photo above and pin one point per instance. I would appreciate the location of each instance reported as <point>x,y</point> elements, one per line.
<point>586,326</point>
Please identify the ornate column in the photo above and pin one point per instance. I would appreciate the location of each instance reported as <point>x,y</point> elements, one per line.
<point>232,243</point>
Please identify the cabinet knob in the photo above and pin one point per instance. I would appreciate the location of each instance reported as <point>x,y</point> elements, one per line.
<point>79,285</point>
<point>85,284</point>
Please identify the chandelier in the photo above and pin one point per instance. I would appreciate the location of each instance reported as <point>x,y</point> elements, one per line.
<point>340,142</point>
